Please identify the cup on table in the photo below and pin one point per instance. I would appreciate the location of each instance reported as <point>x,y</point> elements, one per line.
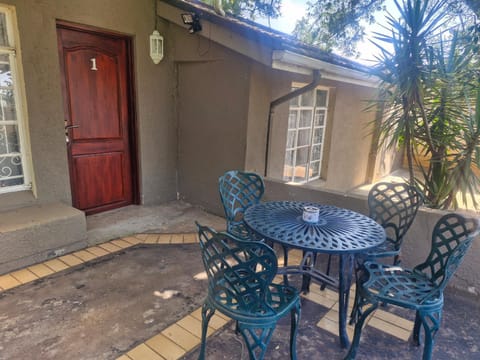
<point>310,214</point>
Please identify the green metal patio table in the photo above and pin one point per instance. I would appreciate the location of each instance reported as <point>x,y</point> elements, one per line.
<point>338,231</point>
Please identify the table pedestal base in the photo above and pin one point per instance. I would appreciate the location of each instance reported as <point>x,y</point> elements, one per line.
<point>308,271</point>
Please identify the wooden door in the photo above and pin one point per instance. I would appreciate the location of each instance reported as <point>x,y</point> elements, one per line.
<point>98,118</point>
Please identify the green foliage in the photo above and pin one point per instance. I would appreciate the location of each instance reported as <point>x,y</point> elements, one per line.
<point>337,23</point>
<point>250,8</point>
<point>431,91</point>
<point>340,24</point>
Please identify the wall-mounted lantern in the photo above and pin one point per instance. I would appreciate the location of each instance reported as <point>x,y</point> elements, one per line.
<point>156,47</point>
<point>193,20</point>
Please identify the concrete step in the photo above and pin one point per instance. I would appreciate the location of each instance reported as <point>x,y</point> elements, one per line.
<point>36,233</point>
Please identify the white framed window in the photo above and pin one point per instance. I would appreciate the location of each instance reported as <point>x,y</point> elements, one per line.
<point>305,136</point>
<point>14,147</point>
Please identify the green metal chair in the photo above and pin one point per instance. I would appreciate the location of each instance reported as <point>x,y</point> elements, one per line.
<point>419,289</point>
<point>238,191</point>
<point>240,275</point>
<point>394,206</point>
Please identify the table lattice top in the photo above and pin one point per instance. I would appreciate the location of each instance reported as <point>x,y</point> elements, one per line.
<point>337,230</point>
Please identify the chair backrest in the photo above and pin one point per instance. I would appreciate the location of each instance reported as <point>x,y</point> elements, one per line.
<point>451,238</point>
<point>394,206</point>
<point>239,272</point>
<point>238,191</point>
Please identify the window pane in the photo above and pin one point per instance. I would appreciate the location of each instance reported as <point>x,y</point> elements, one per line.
<point>300,174</point>
<point>11,172</point>
<point>305,118</point>
<point>292,119</point>
<point>319,117</point>
<point>315,169</point>
<point>306,99</point>
<point>302,156</point>
<point>317,136</point>
<point>3,30</point>
<point>321,98</point>
<point>303,137</point>
<point>291,139</point>
<point>289,157</point>
<point>9,140</point>
<point>294,101</point>
<point>288,168</point>
<point>316,150</point>
<point>5,73</point>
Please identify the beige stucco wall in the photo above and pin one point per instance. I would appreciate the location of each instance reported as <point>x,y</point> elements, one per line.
<point>153,85</point>
<point>212,110</point>
<point>351,137</point>
<point>260,95</point>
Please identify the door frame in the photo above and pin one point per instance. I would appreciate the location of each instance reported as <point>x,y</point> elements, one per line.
<point>132,114</point>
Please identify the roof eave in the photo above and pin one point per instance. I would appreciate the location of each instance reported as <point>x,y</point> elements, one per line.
<point>287,60</point>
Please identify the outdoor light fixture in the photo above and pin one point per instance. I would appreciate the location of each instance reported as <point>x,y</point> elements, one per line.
<point>193,20</point>
<point>156,47</point>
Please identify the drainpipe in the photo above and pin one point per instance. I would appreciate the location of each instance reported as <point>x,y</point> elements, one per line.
<point>316,79</point>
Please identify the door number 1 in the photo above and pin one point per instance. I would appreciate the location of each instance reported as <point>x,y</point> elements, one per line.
<point>94,64</point>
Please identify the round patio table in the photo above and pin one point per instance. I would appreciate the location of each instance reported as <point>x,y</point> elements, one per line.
<point>338,231</point>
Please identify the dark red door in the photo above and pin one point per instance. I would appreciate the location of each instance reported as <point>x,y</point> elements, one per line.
<point>98,121</point>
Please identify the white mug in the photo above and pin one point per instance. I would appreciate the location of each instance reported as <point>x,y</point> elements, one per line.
<point>310,214</point>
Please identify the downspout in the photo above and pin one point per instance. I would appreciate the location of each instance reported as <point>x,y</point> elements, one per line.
<point>316,79</point>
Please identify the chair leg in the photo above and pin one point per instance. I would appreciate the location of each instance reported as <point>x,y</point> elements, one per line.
<point>396,260</point>
<point>352,352</point>
<point>207,313</point>
<point>294,320</point>
<point>416,329</point>
<point>285,263</point>
<point>431,323</point>
<point>329,263</point>
<point>354,313</point>
<point>308,262</point>
<point>256,338</point>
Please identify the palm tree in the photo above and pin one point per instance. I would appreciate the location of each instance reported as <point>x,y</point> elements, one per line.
<point>430,90</point>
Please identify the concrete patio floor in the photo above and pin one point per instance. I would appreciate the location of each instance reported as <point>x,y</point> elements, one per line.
<point>136,294</point>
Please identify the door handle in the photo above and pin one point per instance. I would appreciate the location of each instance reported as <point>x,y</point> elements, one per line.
<point>68,127</point>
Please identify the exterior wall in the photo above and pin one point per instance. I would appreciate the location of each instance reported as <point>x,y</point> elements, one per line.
<point>212,109</point>
<point>351,137</point>
<point>258,112</point>
<point>39,54</point>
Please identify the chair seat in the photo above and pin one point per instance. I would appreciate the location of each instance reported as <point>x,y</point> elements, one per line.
<point>406,288</point>
<point>279,299</point>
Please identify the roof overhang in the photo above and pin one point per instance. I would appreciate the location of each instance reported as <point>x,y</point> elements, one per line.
<point>287,60</point>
